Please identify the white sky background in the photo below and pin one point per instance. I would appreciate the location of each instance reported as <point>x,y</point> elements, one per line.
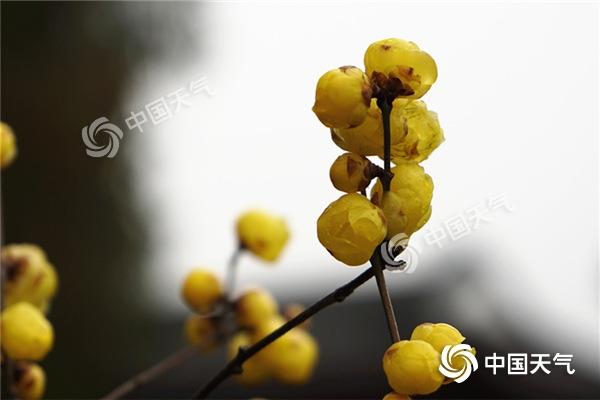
<point>517,97</point>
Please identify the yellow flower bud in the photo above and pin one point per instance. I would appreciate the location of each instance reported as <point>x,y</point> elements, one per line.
<point>8,145</point>
<point>367,138</point>
<point>30,277</point>
<point>201,289</point>
<point>26,334</point>
<point>439,336</point>
<point>351,172</point>
<point>407,206</point>
<point>424,133</point>
<point>291,357</point>
<point>392,206</point>
<point>255,306</point>
<point>400,68</point>
<point>254,370</point>
<point>396,396</point>
<point>30,381</point>
<point>298,355</point>
<point>351,228</point>
<point>262,233</point>
<point>342,98</point>
<point>412,367</point>
<point>199,331</point>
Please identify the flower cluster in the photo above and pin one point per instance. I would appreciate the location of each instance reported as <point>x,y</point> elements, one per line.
<point>379,113</point>
<point>357,106</point>
<point>372,113</point>
<point>27,335</point>
<point>291,358</point>
<point>413,366</point>
<point>30,276</point>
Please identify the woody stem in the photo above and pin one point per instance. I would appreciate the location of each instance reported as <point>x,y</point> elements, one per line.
<point>386,109</point>
<point>151,373</point>
<point>385,105</point>
<point>232,272</point>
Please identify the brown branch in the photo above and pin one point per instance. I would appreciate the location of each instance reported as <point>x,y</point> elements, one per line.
<point>384,102</point>
<point>385,105</point>
<point>183,354</point>
<point>163,366</point>
<point>232,273</point>
<point>235,365</point>
<point>384,294</point>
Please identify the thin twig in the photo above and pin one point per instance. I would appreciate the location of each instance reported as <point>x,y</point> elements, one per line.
<point>222,329</point>
<point>386,110</point>
<point>385,104</point>
<point>235,365</point>
<point>183,354</point>
<point>232,272</point>
<point>160,368</point>
<point>384,294</point>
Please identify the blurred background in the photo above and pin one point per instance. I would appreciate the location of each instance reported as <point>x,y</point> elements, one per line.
<point>517,96</point>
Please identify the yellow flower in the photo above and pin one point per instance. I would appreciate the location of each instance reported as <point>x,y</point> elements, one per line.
<point>407,206</point>
<point>412,367</point>
<point>297,355</point>
<point>254,370</point>
<point>262,233</point>
<point>201,289</point>
<point>199,331</point>
<point>291,357</point>
<point>351,228</point>
<point>30,277</point>
<point>30,381</point>
<point>26,334</point>
<point>400,68</point>
<point>396,396</point>
<point>255,306</point>
<point>342,98</point>
<point>439,336</point>
<point>350,173</point>
<point>367,138</point>
<point>8,145</point>
<point>423,134</point>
